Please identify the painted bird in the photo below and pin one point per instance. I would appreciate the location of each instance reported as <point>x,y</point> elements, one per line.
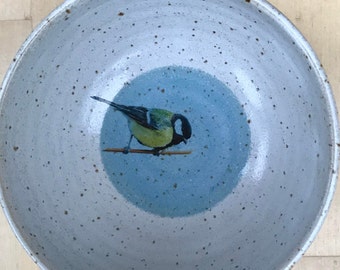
<point>152,127</point>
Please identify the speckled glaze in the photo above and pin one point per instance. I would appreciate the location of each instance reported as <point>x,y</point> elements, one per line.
<point>67,201</point>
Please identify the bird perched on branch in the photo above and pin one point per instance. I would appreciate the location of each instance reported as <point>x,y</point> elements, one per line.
<point>152,127</point>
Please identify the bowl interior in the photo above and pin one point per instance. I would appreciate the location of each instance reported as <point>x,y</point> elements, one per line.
<point>261,171</point>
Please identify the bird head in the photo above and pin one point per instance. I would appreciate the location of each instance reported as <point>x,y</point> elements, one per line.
<point>185,129</point>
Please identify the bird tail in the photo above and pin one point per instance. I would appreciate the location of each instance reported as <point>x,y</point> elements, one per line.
<point>104,101</point>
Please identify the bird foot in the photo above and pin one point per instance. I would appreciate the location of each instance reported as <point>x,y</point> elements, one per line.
<point>126,150</point>
<point>156,152</point>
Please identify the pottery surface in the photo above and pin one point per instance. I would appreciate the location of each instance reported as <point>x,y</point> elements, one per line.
<point>259,175</point>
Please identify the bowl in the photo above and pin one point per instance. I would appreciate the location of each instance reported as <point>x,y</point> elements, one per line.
<point>246,183</point>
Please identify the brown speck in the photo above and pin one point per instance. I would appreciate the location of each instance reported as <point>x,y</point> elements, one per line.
<point>249,121</point>
<point>121,14</point>
<point>15,148</point>
<point>66,212</point>
<point>175,185</point>
<point>248,1</point>
<point>68,11</point>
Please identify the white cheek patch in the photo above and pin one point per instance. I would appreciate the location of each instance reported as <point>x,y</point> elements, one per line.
<point>178,127</point>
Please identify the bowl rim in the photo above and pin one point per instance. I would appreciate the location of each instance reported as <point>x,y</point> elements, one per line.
<point>303,44</point>
<point>300,41</point>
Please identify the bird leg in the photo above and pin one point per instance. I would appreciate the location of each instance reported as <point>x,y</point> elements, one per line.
<point>127,148</point>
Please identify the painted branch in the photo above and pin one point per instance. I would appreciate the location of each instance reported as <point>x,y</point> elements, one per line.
<point>146,151</point>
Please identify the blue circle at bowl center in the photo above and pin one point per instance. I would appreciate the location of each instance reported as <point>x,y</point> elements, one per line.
<point>179,185</point>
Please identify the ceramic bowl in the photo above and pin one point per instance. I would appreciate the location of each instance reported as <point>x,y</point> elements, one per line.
<point>248,190</point>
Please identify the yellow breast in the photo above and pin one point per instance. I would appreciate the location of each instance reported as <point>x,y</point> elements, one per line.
<point>150,137</point>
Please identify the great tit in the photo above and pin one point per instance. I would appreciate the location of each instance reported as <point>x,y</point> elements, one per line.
<point>152,127</point>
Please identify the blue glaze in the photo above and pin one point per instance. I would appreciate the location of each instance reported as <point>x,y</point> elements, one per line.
<point>177,186</point>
